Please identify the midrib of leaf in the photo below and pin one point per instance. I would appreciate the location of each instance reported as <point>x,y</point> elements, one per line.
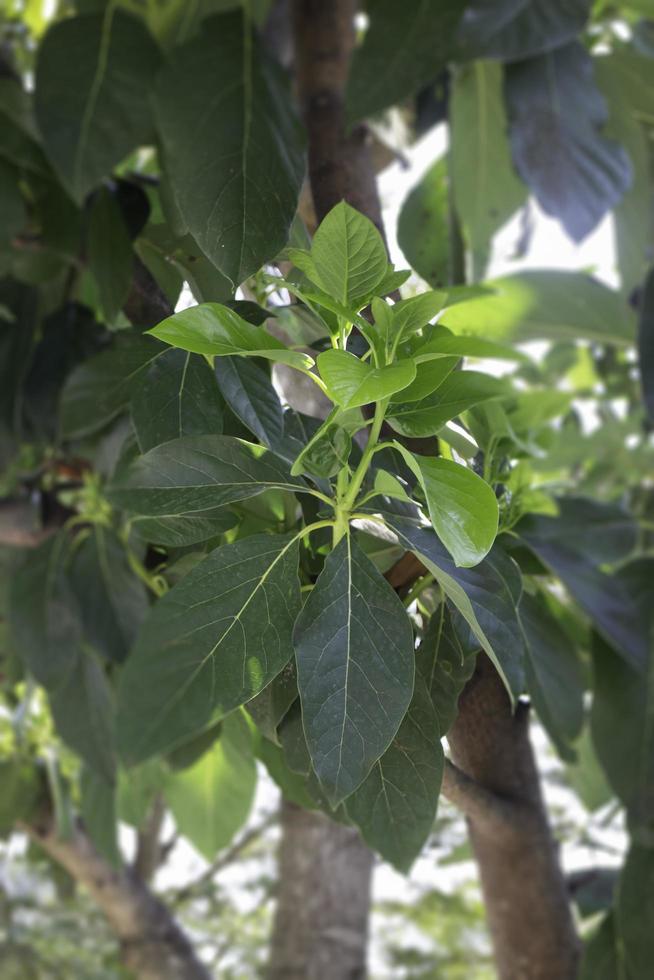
<point>94,92</point>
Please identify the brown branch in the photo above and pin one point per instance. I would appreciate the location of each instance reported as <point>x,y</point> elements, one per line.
<point>495,814</point>
<point>153,945</point>
<point>148,845</point>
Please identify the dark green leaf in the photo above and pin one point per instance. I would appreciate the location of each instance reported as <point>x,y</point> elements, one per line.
<point>109,252</point>
<point>646,344</point>
<point>212,800</point>
<point>355,662</point>
<point>635,910</point>
<point>178,396</point>
<point>553,672</point>
<point>423,229</point>
<point>556,114</point>
<point>458,392</point>
<point>12,208</point>
<point>212,643</point>
<point>395,806</point>
<point>329,449</point>
<point>269,707</point>
<point>602,959</point>
<point>196,474</point>
<point>446,661</point>
<point>179,531</point>
<point>101,388</point>
<point>515,29</point>
<point>235,161</point>
<point>98,805</point>
<point>112,601</point>
<point>93,78</point>
<point>405,47</point>
<point>248,391</point>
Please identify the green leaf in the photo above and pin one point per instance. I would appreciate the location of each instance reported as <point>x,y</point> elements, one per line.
<point>269,707</point>
<point>349,256</point>
<point>93,79</point>
<point>430,375</point>
<point>355,662</point>
<point>556,114</point>
<point>215,330</point>
<point>112,601</point>
<point>602,959</point>
<point>646,344</point>
<point>196,474</point>
<point>405,48</point>
<point>21,790</point>
<point>352,382</point>
<point>395,806</point>
<point>554,675</point>
<point>487,595</point>
<point>210,644</point>
<point>411,315</point>
<point>178,396</point>
<point>462,507</point>
<point>235,162</point>
<point>100,388</point>
<point>109,252</point>
<point>179,531</point>
<point>329,448</point>
<point>423,226</point>
<point>486,189</point>
<point>446,660</point>
<point>212,800</point>
<point>248,391</point>
<point>441,342</point>
<point>137,788</point>
<point>98,806</point>
<point>458,392</point>
<point>635,910</point>
<point>545,305</point>
<point>11,204</point>
<point>511,30</point>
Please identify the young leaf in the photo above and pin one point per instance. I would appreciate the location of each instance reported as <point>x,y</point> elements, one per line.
<point>216,330</point>
<point>93,79</point>
<point>458,392</point>
<point>410,315</point>
<point>395,806</point>
<point>349,256</point>
<point>462,507</point>
<point>354,652</point>
<point>329,449</point>
<point>351,382</point>
<point>196,474</point>
<point>236,162</point>
<point>441,342</point>
<point>210,644</point>
<point>430,375</point>
<point>211,800</point>
<point>178,396</point>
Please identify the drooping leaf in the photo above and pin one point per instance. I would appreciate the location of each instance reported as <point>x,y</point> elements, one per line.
<point>458,392</point>
<point>109,252</point>
<point>210,644</point>
<point>12,207</point>
<point>446,661</point>
<point>348,256</point>
<point>486,189</point>
<point>178,396</point>
<point>98,806</point>
<point>248,391</point>
<point>211,801</point>
<point>635,910</point>
<point>463,508</point>
<point>395,806</point>
<point>487,595</point>
<point>515,29</point>
<point>352,382</point>
<point>98,390</point>
<point>197,474</point>
<point>236,162</point>
<point>93,79</point>
<point>112,601</point>
<point>405,47</point>
<point>423,229</point>
<point>216,330</point>
<point>544,305</point>
<point>555,118</point>
<point>355,662</point>
<point>553,673</point>
<point>646,344</point>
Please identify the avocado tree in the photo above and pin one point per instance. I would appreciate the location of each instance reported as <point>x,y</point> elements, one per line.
<point>280,515</point>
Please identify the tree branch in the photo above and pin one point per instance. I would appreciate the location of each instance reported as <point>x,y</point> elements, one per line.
<point>148,845</point>
<point>493,813</point>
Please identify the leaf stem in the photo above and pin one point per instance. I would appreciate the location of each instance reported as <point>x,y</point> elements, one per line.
<point>366,457</point>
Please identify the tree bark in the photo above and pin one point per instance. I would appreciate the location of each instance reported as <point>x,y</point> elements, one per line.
<point>524,890</point>
<point>321,924</point>
<point>152,944</point>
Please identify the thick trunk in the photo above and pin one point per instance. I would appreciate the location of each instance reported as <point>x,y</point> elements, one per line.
<point>152,944</point>
<point>524,890</point>
<point>321,925</point>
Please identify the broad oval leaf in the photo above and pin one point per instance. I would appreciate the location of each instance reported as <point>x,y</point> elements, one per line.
<point>511,30</point>
<point>210,644</point>
<point>235,161</point>
<point>463,508</point>
<point>352,382</point>
<point>458,392</point>
<point>395,806</point>
<point>93,79</point>
<point>196,474</point>
<point>355,661</point>
<point>178,396</point>
<point>349,256</point>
